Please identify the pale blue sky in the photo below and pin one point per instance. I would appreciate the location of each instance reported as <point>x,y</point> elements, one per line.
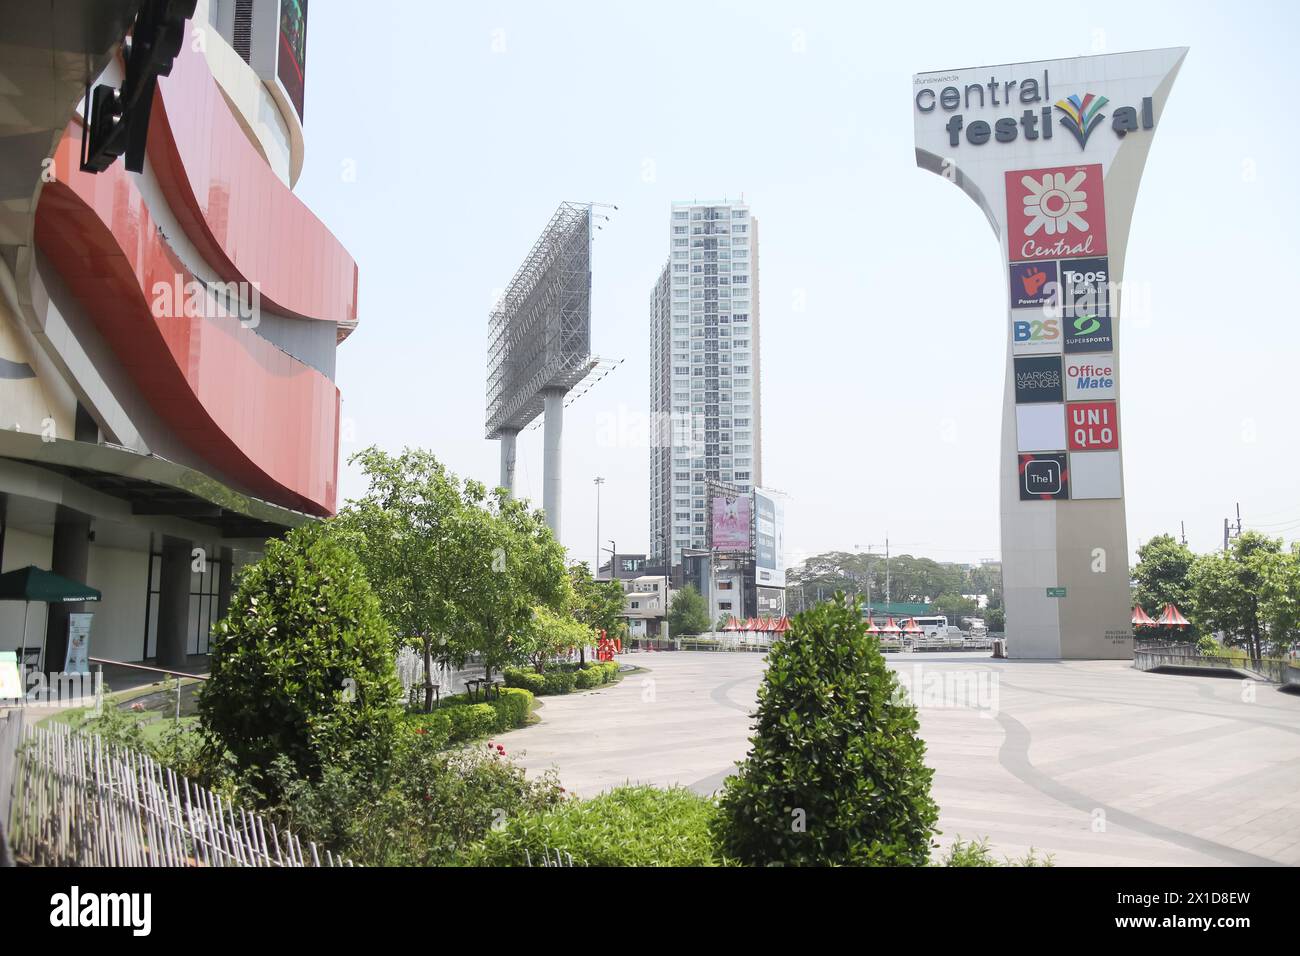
<point>437,156</point>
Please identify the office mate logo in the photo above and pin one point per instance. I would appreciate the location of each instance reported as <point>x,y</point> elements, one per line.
<point>1090,378</point>
<point>1043,476</point>
<point>1082,116</point>
<point>1038,379</point>
<point>1055,213</point>
<point>1092,426</point>
<point>75,908</point>
<point>1034,284</point>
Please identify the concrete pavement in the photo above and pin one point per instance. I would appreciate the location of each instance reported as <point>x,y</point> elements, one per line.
<point>1092,761</point>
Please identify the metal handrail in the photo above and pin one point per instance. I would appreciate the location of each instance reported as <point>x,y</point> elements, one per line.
<point>143,667</point>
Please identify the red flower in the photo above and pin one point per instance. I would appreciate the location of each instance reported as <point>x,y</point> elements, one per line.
<point>420,730</point>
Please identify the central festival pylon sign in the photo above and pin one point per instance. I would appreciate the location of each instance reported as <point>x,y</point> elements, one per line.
<point>1053,154</point>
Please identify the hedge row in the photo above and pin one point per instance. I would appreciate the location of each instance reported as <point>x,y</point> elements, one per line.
<point>457,720</point>
<point>561,680</point>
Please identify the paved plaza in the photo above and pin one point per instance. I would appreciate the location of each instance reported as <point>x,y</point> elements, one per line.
<point>1092,761</point>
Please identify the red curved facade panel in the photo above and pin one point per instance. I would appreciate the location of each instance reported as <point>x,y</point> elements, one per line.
<point>247,223</point>
<point>241,403</point>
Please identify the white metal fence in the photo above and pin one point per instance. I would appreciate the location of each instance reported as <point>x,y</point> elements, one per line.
<point>69,799</point>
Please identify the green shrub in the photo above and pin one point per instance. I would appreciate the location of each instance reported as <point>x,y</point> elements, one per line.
<point>629,826</point>
<point>512,707</point>
<point>527,679</point>
<point>835,771</point>
<point>591,677</point>
<point>469,721</point>
<point>421,810</point>
<point>976,853</point>
<point>434,727</point>
<point>558,682</point>
<point>303,664</point>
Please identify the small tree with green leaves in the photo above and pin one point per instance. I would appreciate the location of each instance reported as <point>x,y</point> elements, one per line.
<point>303,664</point>
<point>835,773</point>
<point>688,613</point>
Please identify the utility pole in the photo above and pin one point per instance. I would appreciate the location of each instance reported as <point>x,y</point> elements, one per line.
<point>1182,532</point>
<point>1225,535</point>
<point>595,572</point>
<point>887,595</point>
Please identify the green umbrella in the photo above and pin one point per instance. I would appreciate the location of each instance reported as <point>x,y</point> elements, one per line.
<point>34,584</point>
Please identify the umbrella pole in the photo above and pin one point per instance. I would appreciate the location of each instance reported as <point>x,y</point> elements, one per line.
<point>44,635</point>
<point>23,662</point>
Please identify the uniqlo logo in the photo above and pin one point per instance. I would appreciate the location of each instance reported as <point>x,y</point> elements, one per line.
<point>1091,426</point>
<point>1055,213</point>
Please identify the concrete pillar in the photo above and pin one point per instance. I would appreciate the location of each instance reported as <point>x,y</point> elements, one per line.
<point>553,440</point>
<point>174,602</point>
<point>225,579</point>
<point>508,461</point>
<point>71,558</point>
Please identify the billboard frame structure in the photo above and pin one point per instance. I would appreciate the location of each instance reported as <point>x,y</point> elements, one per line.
<point>539,345</point>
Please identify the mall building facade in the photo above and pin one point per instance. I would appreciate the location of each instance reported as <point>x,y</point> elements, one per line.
<point>168,336</point>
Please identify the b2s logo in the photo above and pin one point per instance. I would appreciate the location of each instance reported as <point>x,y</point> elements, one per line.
<point>1039,331</point>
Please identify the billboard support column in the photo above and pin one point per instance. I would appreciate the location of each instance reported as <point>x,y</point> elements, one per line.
<point>553,439</point>
<point>507,481</point>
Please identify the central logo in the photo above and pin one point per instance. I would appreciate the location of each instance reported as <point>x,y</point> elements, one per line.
<point>1055,202</point>
<point>1082,116</point>
<point>1055,213</point>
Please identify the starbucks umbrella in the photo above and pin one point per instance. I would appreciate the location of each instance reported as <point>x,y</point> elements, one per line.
<point>33,584</point>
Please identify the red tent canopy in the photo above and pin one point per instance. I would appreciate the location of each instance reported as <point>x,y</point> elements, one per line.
<point>1141,618</point>
<point>783,625</point>
<point>1170,617</point>
<point>911,627</point>
<point>871,627</point>
<point>891,628</point>
<point>732,624</point>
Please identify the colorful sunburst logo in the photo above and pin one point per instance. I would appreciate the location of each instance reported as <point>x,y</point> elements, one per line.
<point>1082,115</point>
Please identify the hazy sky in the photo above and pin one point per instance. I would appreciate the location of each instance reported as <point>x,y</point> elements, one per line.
<point>440,138</point>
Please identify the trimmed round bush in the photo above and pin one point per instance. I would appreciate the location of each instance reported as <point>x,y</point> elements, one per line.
<point>629,826</point>
<point>303,664</point>
<point>526,679</point>
<point>512,707</point>
<point>558,682</point>
<point>470,720</point>
<point>835,772</point>
<point>589,678</point>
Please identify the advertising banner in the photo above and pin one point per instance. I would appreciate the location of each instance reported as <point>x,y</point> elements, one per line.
<point>731,523</point>
<point>769,539</point>
<point>78,658</point>
<point>291,61</point>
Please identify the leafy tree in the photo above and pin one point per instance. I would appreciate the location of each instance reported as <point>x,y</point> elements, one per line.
<point>1162,577</point>
<point>955,607</point>
<point>303,664</point>
<point>599,603</point>
<point>1280,595</point>
<point>688,613</point>
<point>527,572</point>
<point>996,620</point>
<point>835,772</point>
<point>551,634</point>
<point>457,570</point>
<point>1227,590</point>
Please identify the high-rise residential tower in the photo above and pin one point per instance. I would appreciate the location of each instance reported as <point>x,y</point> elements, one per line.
<point>704,371</point>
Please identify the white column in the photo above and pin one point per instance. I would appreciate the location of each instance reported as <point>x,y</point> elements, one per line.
<point>508,461</point>
<point>553,439</point>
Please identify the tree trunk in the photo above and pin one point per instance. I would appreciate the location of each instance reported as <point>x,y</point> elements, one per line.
<point>428,676</point>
